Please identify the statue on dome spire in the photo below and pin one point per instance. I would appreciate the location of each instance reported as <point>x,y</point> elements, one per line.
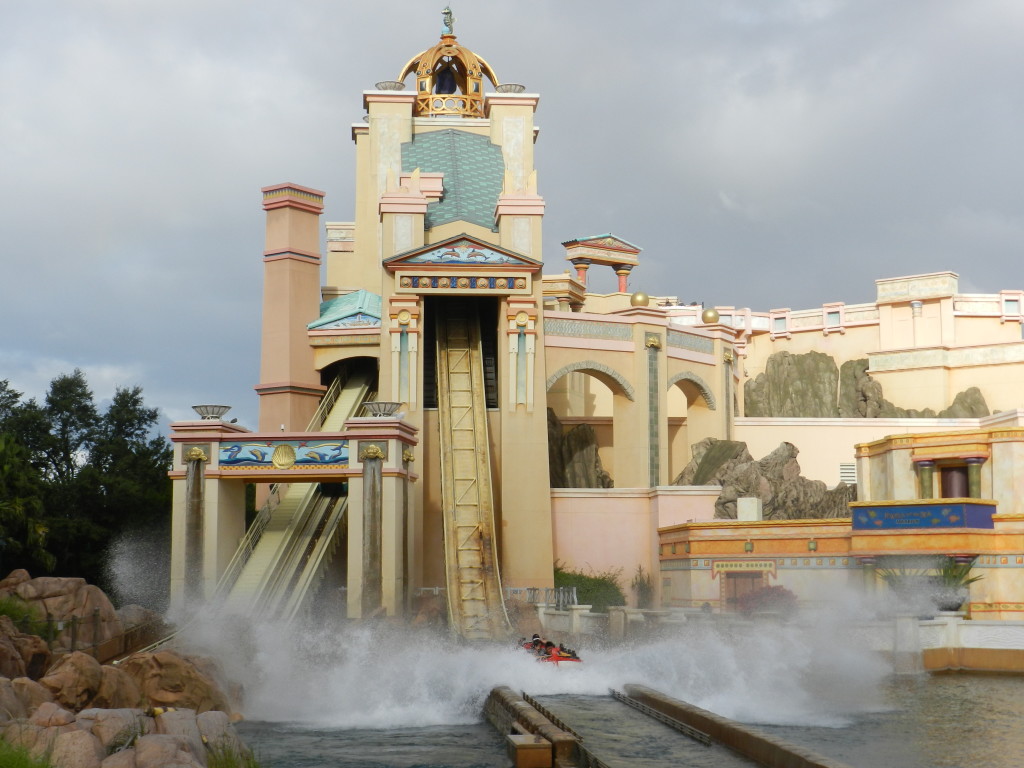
<point>447,21</point>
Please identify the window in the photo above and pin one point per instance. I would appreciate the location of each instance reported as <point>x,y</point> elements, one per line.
<point>848,473</point>
<point>832,318</point>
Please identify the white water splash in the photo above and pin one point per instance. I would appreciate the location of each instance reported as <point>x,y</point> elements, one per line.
<point>365,675</point>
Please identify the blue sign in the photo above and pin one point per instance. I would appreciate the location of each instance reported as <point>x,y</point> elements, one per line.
<point>920,515</point>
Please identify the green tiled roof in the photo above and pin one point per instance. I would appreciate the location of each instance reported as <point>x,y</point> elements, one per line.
<point>473,171</point>
<point>359,308</point>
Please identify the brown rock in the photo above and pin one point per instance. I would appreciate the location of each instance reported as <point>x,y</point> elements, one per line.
<point>37,739</point>
<point>35,653</point>
<point>64,599</point>
<point>74,680</point>
<point>182,722</point>
<point>77,749</point>
<point>167,679</point>
<point>33,650</point>
<point>117,690</point>
<point>14,578</point>
<point>122,759</point>
<point>50,714</point>
<point>45,587</point>
<point>12,665</point>
<point>30,693</point>
<point>215,728</point>
<point>11,705</point>
<point>161,751</point>
<point>116,728</point>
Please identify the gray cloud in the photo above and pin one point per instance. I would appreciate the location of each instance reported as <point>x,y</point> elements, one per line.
<point>763,154</point>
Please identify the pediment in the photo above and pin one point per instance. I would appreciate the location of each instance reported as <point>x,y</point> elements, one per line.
<point>607,242</point>
<point>462,251</point>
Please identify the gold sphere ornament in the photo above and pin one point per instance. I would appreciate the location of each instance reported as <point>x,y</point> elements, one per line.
<point>639,299</point>
<point>709,316</point>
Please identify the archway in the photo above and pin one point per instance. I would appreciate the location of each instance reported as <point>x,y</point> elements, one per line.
<point>691,418</point>
<point>586,400</point>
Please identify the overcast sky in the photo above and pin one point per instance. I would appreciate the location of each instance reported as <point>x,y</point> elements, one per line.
<point>763,153</point>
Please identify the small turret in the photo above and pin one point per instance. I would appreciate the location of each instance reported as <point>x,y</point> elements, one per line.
<point>449,77</point>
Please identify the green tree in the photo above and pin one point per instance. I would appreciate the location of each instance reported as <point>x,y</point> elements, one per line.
<point>9,402</point>
<point>73,421</point>
<point>22,528</point>
<point>93,477</point>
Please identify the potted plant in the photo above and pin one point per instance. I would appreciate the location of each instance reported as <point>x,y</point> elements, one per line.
<point>952,584</point>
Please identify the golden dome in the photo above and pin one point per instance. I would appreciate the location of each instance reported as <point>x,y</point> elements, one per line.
<point>709,316</point>
<point>639,299</point>
<point>449,77</point>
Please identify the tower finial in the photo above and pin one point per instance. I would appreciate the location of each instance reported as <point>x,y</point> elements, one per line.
<point>447,21</point>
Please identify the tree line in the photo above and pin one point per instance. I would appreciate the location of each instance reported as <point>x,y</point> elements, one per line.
<point>75,478</point>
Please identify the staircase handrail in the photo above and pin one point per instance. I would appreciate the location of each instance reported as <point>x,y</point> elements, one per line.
<point>247,545</point>
<point>319,557</point>
<point>327,403</point>
<point>252,536</point>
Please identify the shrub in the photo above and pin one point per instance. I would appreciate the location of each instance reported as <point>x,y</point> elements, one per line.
<point>229,757</point>
<point>776,599</point>
<point>18,757</point>
<point>26,617</point>
<point>643,588</point>
<point>598,590</point>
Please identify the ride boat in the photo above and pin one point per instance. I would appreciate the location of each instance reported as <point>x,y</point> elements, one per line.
<point>547,652</point>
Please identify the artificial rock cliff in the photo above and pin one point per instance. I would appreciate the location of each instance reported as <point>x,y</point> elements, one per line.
<point>775,480</point>
<point>573,459</point>
<point>811,385</point>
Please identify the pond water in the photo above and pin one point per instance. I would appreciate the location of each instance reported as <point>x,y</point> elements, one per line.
<point>393,698</point>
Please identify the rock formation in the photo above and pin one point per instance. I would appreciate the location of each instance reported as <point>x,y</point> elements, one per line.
<point>123,738</point>
<point>62,599</point>
<point>168,679</point>
<point>802,386</point>
<point>573,459</point>
<point>713,461</point>
<point>21,654</point>
<point>810,386</point>
<point>153,709</point>
<point>775,480</point>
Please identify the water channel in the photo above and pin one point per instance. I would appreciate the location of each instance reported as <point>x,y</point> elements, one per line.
<point>388,698</point>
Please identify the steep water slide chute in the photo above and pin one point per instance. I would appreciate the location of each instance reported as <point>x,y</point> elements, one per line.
<point>475,605</point>
<point>283,556</point>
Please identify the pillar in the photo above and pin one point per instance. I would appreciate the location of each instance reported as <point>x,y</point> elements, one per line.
<point>195,484</point>
<point>974,477</point>
<point>868,565</point>
<point>379,535</point>
<point>623,270</point>
<point>372,457</point>
<point>925,479</point>
<point>289,387</point>
<point>582,265</point>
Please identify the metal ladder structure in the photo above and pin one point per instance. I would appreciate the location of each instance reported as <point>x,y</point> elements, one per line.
<point>291,544</point>
<point>475,605</point>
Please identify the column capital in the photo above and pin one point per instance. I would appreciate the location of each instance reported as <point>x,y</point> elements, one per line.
<point>293,196</point>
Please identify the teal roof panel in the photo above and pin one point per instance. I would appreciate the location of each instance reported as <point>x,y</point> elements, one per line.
<point>359,309</point>
<point>473,169</point>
